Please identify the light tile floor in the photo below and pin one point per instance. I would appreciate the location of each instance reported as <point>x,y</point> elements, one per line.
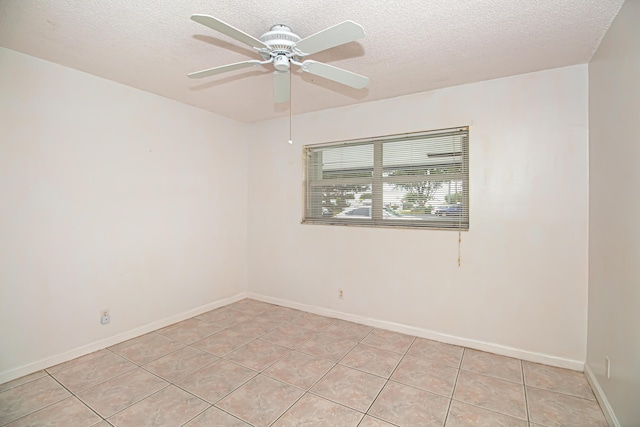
<point>257,364</point>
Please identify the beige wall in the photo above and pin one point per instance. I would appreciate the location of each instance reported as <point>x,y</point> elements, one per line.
<point>110,197</point>
<point>614,210</point>
<point>522,286</point>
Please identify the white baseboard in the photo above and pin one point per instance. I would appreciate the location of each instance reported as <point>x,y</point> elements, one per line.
<point>601,397</point>
<point>116,339</point>
<point>546,359</point>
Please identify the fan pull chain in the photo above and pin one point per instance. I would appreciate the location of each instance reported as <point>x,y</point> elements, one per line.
<point>290,109</point>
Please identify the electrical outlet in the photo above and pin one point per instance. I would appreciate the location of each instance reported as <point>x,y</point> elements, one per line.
<point>340,294</point>
<point>607,366</point>
<point>105,317</point>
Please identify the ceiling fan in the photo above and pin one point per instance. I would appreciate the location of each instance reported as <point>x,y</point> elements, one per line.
<point>282,47</point>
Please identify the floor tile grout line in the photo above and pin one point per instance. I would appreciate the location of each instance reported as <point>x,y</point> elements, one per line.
<point>338,363</point>
<point>189,343</point>
<point>154,359</point>
<point>376,397</point>
<point>377,418</point>
<point>562,393</point>
<point>184,376</point>
<point>28,382</point>
<point>341,404</point>
<point>401,359</point>
<point>361,420</point>
<point>489,410</point>
<point>378,347</point>
<point>170,353</point>
<point>304,393</point>
<point>258,337</point>
<point>223,397</point>
<point>400,353</point>
<point>230,414</point>
<point>263,369</point>
<point>348,351</point>
<point>342,358</point>
<point>459,363</point>
<point>317,331</point>
<point>104,381</point>
<point>367,372</point>
<point>453,390</point>
<point>44,407</point>
<point>420,388</point>
<point>274,379</point>
<point>234,349</point>
<point>263,338</point>
<point>81,363</point>
<point>526,398</point>
<point>388,379</point>
<point>293,385</point>
<point>404,355</point>
<point>333,401</point>
<point>365,413</point>
<point>75,394</point>
<point>492,376</point>
<point>196,416</point>
<point>315,355</point>
<point>128,406</point>
<point>322,377</point>
<point>79,399</point>
<point>135,403</point>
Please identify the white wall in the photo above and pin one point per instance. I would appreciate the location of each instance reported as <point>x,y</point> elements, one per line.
<point>614,210</point>
<point>522,286</point>
<point>110,198</point>
<point>116,198</point>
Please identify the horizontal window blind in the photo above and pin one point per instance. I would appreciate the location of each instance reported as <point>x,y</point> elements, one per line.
<point>416,180</point>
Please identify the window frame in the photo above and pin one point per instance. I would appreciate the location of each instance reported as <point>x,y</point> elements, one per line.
<point>377,181</point>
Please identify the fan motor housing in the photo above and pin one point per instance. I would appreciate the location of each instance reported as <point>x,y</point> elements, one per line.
<point>281,40</point>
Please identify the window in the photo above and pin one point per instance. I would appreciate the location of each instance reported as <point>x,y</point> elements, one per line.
<point>418,180</point>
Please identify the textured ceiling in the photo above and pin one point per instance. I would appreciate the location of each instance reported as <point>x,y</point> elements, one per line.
<point>411,45</point>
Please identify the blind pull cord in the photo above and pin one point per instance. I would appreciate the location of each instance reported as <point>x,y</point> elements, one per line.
<point>453,150</point>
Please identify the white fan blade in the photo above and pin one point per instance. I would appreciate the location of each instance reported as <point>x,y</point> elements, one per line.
<point>342,33</point>
<point>336,74</point>
<point>223,69</point>
<point>227,29</point>
<point>281,88</point>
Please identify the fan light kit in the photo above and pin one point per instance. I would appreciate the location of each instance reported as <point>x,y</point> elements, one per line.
<point>282,47</point>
